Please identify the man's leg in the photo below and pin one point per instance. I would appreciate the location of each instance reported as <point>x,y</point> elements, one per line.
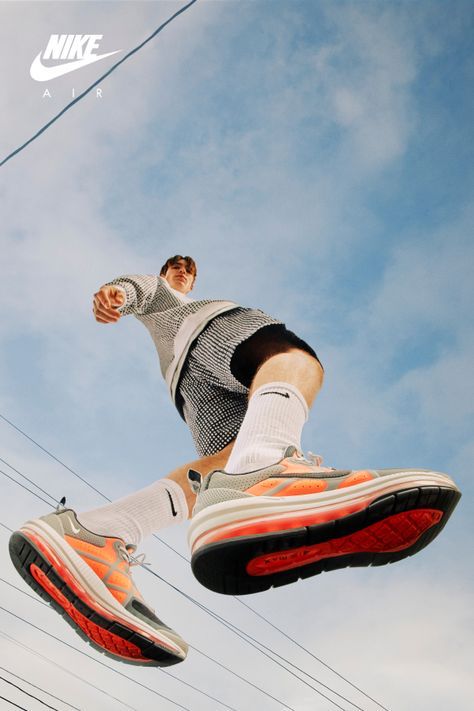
<point>165,502</point>
<point>273,516</point>
<point>282,390</point>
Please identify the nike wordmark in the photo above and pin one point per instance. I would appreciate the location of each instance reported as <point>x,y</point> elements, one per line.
<point>76,49</point>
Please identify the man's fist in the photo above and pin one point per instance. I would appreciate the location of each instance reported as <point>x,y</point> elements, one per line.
<point>106,302</point>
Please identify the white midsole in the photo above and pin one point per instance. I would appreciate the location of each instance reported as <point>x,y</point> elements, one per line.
<point>270,508</point>
<point>93,585</point>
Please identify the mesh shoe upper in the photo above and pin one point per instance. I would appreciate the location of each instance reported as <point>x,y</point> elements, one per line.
<point>110,559</point>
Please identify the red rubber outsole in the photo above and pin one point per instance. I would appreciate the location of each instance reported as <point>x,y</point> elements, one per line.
<point>42,571</point>
<point>391,528</point>
<point>395,533</point>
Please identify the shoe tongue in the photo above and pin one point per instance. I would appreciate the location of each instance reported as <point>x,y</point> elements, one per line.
<point>290,451</point>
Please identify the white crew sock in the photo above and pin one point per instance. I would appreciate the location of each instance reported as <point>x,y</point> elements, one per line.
<point>274,420</point>
<point>140,514</point>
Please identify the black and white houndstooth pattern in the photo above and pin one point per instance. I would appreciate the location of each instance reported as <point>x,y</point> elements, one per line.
<point>161,309</point>
<point>213,401</point>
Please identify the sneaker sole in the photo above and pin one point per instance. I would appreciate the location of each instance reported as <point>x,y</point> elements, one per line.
<point>44,572</point>
<point>385,530</point>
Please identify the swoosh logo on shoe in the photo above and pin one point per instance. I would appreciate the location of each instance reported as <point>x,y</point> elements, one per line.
<point>74,529</point>
<point>41,73</point>
<point>173,510</point>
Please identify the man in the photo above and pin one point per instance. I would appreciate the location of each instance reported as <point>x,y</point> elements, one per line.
<point>264,514</point>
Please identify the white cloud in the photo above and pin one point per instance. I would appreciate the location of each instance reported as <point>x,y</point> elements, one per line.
<point>272,194</point>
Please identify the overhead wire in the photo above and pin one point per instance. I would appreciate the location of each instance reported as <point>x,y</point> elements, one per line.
<point>234,629</point>
<point>37,599</point>
<point>217,617</point>
<point>32,696</point>
<point>15,481</point>
<point>3,698</point>
<point>203,607</point>
<point>250,640</point>
<point>35,686</point>
<point>317,659</point>
<point>42,656</point>
<point>96,82</point>
<point>96,661</point>
<point>30,481</point>
<point>87,483</point>
<point>244,635</point>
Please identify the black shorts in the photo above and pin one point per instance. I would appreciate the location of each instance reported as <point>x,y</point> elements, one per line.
<point>219,369</point>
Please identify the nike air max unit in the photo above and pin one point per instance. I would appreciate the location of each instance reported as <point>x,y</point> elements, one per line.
<point>295,519</point>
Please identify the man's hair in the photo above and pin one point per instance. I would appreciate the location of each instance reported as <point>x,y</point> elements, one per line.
<point>189,261</point>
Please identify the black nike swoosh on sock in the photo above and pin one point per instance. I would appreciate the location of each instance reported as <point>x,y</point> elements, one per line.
<point>273,392</point>
<point>173,510</point>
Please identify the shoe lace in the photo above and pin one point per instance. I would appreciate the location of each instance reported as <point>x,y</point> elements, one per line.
<point>128,550</point>
<point>316,460</point>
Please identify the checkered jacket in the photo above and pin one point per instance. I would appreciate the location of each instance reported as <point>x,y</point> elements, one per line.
<point>173,319</point>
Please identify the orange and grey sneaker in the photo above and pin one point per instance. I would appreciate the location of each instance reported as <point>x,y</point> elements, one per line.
<point>295,519</point>
<point>86,578</point>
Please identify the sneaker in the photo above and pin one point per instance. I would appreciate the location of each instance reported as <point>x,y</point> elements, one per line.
<point>86,578</point>
<point>295,519</point>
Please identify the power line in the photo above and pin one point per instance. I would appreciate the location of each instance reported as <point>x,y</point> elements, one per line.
<point>13,704</point>
<point>203,607</point>
<point>233,628</point>
<point>97,661</point>
<point>32,696</point>
<point>25,487</point>
<point>59,666</point>
<point>247,638</point>
<point>240,634</point>
<point>318,659</point>
<point>30,481</point>
<point>38,600</point>
<point>92,86</point>
<point>163,671</point>
<point>38,687</point>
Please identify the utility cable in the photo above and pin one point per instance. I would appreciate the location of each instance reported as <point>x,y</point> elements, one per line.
<point>85,481</point>
<point>243,635</point>
<point>278,629</point>
<point>97,661</point>
<point>317,659</point>
<point>25,487</point>
<point>230,627</point>
<point>30,481</point>
<point>66,703</point>
<point>56,664</point>
<point>32,696</point>
<point>37,599</point>
<point>92,86</point>
<point>163,671</point>
<point>13,704</point>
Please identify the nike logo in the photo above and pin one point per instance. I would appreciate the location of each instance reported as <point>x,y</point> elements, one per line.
<point>273,392</point>
<point>173,510</point>
<point>74,529</point>
<point>41,73</point>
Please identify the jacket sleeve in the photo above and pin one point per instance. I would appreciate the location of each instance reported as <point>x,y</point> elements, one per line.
<point>139,292</point>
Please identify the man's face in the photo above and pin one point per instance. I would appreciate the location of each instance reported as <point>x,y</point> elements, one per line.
<point>179,278</point>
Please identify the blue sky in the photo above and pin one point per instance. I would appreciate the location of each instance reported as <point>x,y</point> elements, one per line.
<point>315,159</point>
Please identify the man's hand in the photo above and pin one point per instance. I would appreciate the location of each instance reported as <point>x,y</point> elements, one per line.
<point>106,302</point>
